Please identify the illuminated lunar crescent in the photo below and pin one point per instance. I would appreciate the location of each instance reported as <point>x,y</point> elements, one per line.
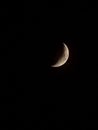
<point>62,59</point>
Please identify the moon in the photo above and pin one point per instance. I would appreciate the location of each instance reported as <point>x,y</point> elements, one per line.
<point>62,58</point>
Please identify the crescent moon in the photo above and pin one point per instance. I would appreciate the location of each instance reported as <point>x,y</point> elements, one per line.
<point>63,58</point>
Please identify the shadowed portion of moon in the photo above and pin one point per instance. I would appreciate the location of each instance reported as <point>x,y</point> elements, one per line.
<point>60,56</point>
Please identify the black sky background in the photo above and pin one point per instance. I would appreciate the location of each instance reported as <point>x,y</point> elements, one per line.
<point>39,96</point>
<point>70,91</point>
<point>72,87</point>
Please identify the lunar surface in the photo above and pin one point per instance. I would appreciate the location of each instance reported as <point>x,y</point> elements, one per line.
<point>62,58</point>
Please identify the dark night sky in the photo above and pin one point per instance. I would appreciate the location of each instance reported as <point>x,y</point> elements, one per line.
<point>55,96</point>
<point>72,87</point>
<point>76,26</point>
